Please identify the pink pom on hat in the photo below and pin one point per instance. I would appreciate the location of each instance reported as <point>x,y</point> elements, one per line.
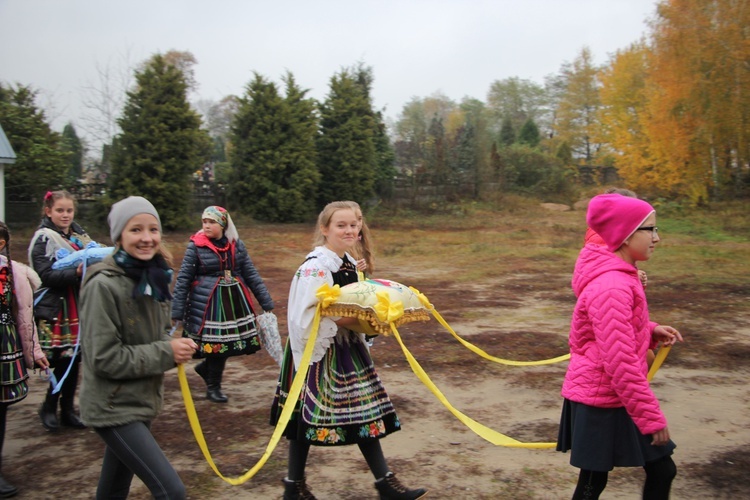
<point>616,217</point>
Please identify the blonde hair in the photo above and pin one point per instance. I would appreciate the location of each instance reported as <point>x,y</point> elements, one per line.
<point>363,248</point>
<point>324,219</point>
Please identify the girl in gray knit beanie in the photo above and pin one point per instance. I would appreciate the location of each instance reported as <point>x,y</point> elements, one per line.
<point>126,350</point>
<point>124,210</point>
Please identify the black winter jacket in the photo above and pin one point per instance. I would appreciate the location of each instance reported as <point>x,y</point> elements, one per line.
<point>201,269</point>
<point>56,281</point>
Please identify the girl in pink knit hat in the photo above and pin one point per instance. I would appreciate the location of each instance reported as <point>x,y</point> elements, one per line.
<point>610,416</point>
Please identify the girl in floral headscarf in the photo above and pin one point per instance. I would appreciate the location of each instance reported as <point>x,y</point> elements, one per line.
<point>212,297</point>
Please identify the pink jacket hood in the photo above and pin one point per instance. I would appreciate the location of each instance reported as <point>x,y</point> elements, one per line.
<point>610,333</point>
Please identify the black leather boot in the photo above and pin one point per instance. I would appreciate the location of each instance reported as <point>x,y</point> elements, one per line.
<point>297,490</point>
<point>69,418</point>
<point>200,369</point>
<point>68,415</point>
<point>214,374</point>
<point>215,395</point>
<point>7,490</point>
<point>48,411</point>
<point>390,488</point>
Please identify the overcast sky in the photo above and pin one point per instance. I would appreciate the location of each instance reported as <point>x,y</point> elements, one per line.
<point>415,47</point>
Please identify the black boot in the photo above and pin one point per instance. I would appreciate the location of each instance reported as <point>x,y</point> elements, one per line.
<point>200,369</point>
<point>214,374</point>
<point>69,418</point>
<point>6,489</point>
<point>390,488</point>
<point>48,411</point>
<point>68,415</point>
<point>215,395</point>
<point>297,490</point>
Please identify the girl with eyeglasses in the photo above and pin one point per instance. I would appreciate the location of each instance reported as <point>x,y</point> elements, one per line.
<point>611,417</point>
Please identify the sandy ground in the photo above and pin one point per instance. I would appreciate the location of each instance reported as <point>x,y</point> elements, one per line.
<point>702,387</point>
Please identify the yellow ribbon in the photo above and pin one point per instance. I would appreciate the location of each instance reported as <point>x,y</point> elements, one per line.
<point>425,301</point>
<point>658,360</point>
<point>388,311</point>
<point>481,430</point>
<point>327,294</point>
<point>286,413</point>
<point>422,298</point>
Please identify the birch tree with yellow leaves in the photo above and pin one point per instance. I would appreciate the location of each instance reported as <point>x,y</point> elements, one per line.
<point>677,110</point>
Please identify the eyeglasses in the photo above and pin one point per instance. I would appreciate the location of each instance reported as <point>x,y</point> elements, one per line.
<point>654,230</point>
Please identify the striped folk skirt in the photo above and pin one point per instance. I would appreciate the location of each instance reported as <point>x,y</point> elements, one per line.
<point>13,376</point>
<point>229,327</point>
<point>59,338</point>
<point>343,400</point>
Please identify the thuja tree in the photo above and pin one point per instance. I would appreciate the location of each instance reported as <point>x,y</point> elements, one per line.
<point>385,155</point>
<point>41,163</point>
<point>161,143</point>
<point>274,176</point>
<point>74,146</point>
<point>347,158</point>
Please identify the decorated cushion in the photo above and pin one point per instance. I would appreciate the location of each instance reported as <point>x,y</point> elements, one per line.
<point>376,303</point>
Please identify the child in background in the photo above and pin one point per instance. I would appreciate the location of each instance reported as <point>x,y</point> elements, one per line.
<point>57,308</point>
<point>212,297</point>
<point>19,344</point>
<point>127,349</point>
<point>362,250</point>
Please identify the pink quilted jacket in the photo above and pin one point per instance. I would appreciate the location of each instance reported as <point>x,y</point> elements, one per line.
<point>609,335</point>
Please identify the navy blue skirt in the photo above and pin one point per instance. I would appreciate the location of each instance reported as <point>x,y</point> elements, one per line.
<point>601,439</point>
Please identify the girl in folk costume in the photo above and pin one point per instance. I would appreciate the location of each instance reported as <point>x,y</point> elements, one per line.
<point>127,349</point>
<point>19,344</point>
<point>212,297</point>
<point>56,309</point>
<point>611,417</point>
<point>343,401</point>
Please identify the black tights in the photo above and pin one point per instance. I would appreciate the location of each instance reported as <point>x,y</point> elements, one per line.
<point>590,485</point>
<point>371,450</point>
<point>659,476</point>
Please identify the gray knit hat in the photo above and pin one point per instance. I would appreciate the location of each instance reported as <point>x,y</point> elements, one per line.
<point>126,209</point>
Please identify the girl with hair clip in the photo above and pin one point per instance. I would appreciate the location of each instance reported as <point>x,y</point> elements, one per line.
<point>610,416</point>
<point>56,309</point>
<point>19,344</point>
<point>343,400</point>
<point>212,297</point>
<point>126,350</point>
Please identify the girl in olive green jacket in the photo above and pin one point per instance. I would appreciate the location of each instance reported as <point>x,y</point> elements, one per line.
<point>126,350</point>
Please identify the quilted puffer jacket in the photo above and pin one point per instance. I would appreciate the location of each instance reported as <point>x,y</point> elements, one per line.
<point>609,335</point>
<point>199,273</point>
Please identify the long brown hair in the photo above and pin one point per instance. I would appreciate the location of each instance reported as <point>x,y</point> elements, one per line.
<point>363,248</point>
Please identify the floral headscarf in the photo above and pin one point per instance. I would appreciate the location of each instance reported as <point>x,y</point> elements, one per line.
<point>222,217</point>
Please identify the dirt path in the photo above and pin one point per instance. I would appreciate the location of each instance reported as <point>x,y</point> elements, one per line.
<point>703,389</point>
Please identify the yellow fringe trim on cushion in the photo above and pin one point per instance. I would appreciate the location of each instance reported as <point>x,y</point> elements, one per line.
<point>382,328</point>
